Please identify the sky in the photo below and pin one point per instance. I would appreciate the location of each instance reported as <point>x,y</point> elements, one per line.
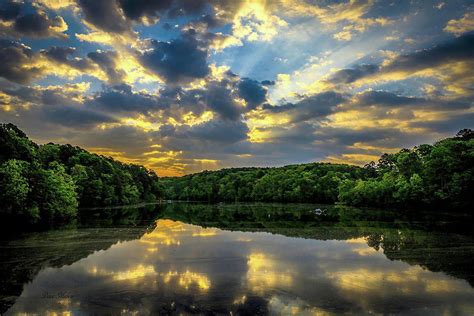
<point>181,86</point>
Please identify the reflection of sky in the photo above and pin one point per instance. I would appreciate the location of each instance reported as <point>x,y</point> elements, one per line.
<point>192,269</point>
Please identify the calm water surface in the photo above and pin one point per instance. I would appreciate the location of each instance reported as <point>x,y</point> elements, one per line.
<point>244,259</point>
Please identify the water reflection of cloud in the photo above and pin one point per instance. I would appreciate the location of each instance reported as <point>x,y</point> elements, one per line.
<point>265,273</point>
<point>284,306</point>
<point>214,270</point>
<point>133,274</point>
<point>187,279</point>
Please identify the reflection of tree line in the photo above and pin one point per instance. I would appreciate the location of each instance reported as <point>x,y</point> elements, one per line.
<point>436,252</point>
<point>428,240</point>
<point>22,258</point>
<point>438,242</point>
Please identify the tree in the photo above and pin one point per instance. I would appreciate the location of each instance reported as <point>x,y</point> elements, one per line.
<point>465,134</point>
<point>15,191</point>
<point>15,145</point>
<point>55,194</point>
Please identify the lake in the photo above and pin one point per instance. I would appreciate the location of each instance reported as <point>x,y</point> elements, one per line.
<point>243,259</point>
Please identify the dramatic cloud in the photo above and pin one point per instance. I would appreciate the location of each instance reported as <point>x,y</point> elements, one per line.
<point>392,100</point>
<point>105,15</point>
<point>448,124</point>
<point>62,55</point>
<point>108,61</point>
<point>119,15</point>
<point>219,99</point>
<point>121,98</point>
<point>313,107</point>
<point>462,25</point>
<point>352,74</point>
<point>181,86</point>
<point>253,92</point>
<point>18,62</point>
<point>206,134</point>
<point>61,106</point>
<point>179,60</point>
<point>10,10</point>
<point>460,49</point>
<point>36,24</point>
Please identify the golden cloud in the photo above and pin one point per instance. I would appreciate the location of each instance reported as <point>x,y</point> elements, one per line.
<point>462,25</point>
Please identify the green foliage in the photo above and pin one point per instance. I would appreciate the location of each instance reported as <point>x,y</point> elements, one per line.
<point>55,193</point>
<point>439,175</point>
<point>297,183</point>
<point>15,145</point>
<point>15,190</point>
<point>51,183</point>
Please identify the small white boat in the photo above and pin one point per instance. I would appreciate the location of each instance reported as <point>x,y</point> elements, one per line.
<point>318,211</point>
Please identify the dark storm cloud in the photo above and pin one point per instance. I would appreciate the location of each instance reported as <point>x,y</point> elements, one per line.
<point>339,138</point>
<point>352,74</point>
<point>208,137</point>
<point>180,60</point>
<point>14,59</point>
<point>54,105</point>
<point>306,139</point>
<point>37,24</point>
<point>9,10</point>
<point>389,99</point>
<point>121,98</point>
<point>316,106</point>
<point>299,133</point>
<point>347,136</point>
<point>455,50</point>
<point>217,97</point>
<point>125,139</point>
<point>104,14</point>
<point>449,125</point>
<point>252,91</point>
<point>138,9</point>
<point>458,49</point>
<point>62,55</point>
<point>384,98</point>
<point>219,131</point>
<point>18,62</point>
<point>117,15</point>
<point>73,116</point>
<point>107,61</point>
<point>37,96</point>
<point>268,82</point>
<point>209,21</point>
<point>34,24</point>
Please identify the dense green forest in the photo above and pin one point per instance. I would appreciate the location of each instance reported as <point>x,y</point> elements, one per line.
<point>314,182</point>
<point>50,183</point>
<point>439,175</point>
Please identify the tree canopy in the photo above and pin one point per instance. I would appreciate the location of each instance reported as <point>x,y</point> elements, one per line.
<point>435,176</point>
<point>51,183</point>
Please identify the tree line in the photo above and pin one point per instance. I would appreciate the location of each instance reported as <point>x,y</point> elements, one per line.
<point>431,176</point>
<point>51,183</point>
